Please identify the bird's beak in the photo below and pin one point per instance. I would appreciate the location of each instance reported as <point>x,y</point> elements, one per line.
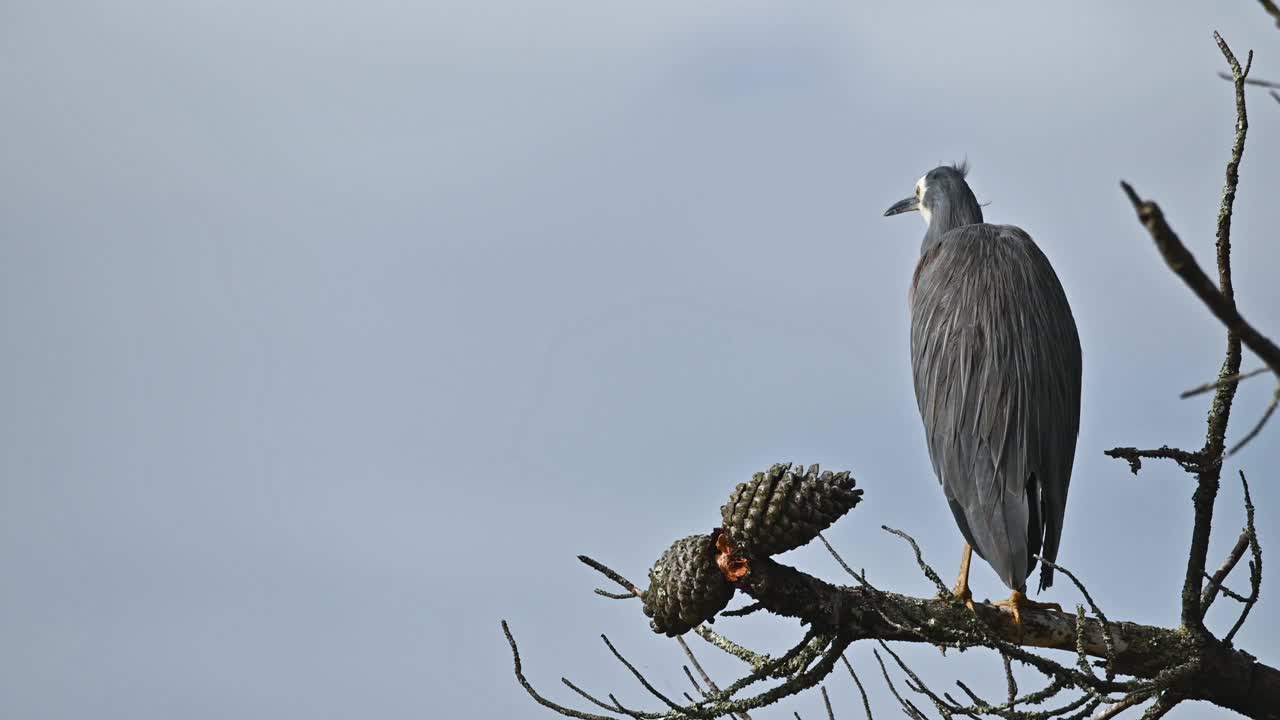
<point>902,206</point>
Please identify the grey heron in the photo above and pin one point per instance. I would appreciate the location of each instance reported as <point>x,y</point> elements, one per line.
<point>996,361</point>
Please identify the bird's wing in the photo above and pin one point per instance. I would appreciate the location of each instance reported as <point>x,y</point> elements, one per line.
<point>996,360</point>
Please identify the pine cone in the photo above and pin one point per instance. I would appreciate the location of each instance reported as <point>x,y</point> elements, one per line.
<point>785,508</point>
<point>686,587</point>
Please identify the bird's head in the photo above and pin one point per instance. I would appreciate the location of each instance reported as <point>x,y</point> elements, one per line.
<point>944,195</point>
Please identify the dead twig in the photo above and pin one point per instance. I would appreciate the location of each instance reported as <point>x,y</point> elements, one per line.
<point>1255,564</point>
<point>1190,461</point>
<point>1211,386</point>
<point>1257,428</point>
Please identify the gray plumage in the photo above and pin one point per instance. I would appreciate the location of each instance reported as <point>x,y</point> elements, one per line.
<point>996,361</point>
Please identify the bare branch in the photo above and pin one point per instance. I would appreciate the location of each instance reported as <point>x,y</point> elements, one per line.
<point>1257,428</point>
<point>860,577</point>
<point>1255,565</point>
<point>1210,386</point>
<point>743,611</point>
<point>1127,702</point>
<point>612,575</point>
<point>866,704</point>
<point>1220,410</point>
<point>1250,81</point>
<point>1183,263</point>
<point>1272,10</point>
<point>1163,704</point>
<point>929,572</point>
<point>1190,461</point>
<point>1011,685</point>
<point>711,684</point>
<point>524,683</point>
<point>908,707</point>
<point>1215,582</point>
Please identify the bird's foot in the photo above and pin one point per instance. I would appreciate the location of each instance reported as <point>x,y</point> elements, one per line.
<point>965,595</point>
<point>1018,602</point>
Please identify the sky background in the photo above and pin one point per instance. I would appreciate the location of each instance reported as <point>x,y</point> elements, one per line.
<point>334,331</point>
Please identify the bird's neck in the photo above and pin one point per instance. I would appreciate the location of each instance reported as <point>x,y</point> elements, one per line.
<point>948,217</point>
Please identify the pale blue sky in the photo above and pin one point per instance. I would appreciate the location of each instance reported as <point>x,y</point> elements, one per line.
<point>334,331</point>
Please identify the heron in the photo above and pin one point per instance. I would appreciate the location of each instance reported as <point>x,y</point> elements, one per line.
<point>995,357</point>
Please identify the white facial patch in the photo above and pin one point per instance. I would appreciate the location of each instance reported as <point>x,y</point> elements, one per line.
<point>921,189</point>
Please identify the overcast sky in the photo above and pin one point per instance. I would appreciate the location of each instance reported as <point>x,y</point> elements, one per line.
<point>333,331</point>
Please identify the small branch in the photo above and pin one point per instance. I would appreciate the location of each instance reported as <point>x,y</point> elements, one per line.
<point>612,575</point>
<point>1211,386</point>
<point>1251,81</point>
<point>524,683</point>
<point>1190,461</point>
<point>1257,428</point>
<point>1126,703</point>
<point>866,704</point>
<point>711,684</point>
<point>1272,10</point>
<point>929,572</point>
<point>1220,410</point>
<point>1219,577</point>
<point>754,659</point>
<point>1011,685</point>
<point>1255,565</point>
<point>1161,707</point>
<point>1183,263</point>
<point>860,577</point>
<point>742,611</point>
<point>908,707</point>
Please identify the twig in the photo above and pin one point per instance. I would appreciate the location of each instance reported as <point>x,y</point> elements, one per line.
<point>827,701</point>
<point>866,704</point>
<point>907,706</point>
<point>1108,641</point>
<point>929,572</point>
<point>1011,685</point>
<point>711,684</point>
<point>524,683</point>
<point>1272,10</point>
<point>611,574</point>
<point>640,676</point>
<point>754,659</point>
<point>1183,263</point>
<point>860,577</point>
<point>1127,702</point>
<point>1207,480</point>
<point>591,698</point>
<point>1165,702</point>
<point>1257,428</point>
<point>743,611</point>
<point>1250,81</point>
<point>1210,386</point>
<point>1255,565</point>
<point>1215,582</point>
<point>1190,461</point>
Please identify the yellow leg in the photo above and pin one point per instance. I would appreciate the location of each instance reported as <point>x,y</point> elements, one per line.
<point>962,591</point>
<point>1018,602</point>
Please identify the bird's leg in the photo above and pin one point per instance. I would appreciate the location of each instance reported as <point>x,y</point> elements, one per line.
<point>1018,602</point>
<point>962,591</point>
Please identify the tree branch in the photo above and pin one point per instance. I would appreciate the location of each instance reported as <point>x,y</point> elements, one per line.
<point>1228,677</point>
<point>1183,263</point>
